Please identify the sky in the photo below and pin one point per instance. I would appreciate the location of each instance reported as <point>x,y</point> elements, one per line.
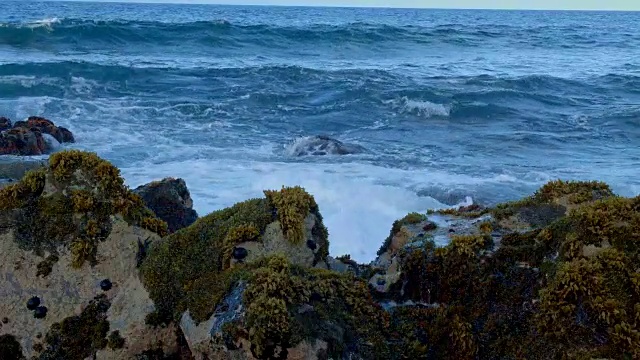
<point>465,4</point>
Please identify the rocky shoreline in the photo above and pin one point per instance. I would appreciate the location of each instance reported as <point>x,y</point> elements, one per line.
<point>137,273</point>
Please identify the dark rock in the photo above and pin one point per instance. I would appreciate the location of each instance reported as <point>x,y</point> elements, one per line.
<point>33,303</point>
<point>451,230</point>
<point>45,126</point>
<point>106,285</point>
<point>5,320</point>
<point>170,200</point>
<point>28,137</point>
<point>67,135</point>
<point>40,312</point>
<point>5,123</point>
<point>323,145</point>
<point>22,141</point>
<point>240,253</point>
<point>430,226</point>
<point>381,281</point>
<point>420,235</point>
<point>311,244</point>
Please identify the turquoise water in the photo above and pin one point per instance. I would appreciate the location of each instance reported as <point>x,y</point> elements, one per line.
<point>452,106</point>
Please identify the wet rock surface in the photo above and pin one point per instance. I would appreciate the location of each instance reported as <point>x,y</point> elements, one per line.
<point>31,137</point>
<point>321,145</point>
<point>170,200</point>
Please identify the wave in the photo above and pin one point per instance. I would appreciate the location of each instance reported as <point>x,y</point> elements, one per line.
<point>223,33</point>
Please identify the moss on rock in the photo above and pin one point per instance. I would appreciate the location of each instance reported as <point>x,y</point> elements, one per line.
<point>10,348</point>
<point>278,291</point>
<point>186,269</point>
<point>292,206</point>
<point>81,336</point>
<point>564,285</point>
<point>70,204</point>
<point>411,218</point>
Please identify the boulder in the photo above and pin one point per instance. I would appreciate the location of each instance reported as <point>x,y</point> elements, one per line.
<point>22,141</point>
<point>64,229</point>
<point>30,137</point>
<point>170,200</point>
<point>323,145</point>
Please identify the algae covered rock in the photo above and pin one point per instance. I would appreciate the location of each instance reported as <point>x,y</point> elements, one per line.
<point>64,229</point>
<point>559,282</point>
<point>186,270</point>
<point>170,200</point>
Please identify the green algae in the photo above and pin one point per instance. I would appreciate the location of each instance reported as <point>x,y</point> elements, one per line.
<point>70,203</point>
<point>565,287</point>
<point>186,269</point>
<point>63,340</point>
<point>10,348</point>
<point>277,291</point>
<point>409,219</point>
<point>115,341</point>
<point>173,265</point>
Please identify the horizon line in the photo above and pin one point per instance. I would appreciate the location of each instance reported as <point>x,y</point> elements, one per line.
<point>205,2</point>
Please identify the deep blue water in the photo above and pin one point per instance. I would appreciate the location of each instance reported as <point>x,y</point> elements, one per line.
<point>449,103</point>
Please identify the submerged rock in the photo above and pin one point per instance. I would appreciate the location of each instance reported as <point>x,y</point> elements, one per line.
<point>170,200</point>
<point>322,145</point>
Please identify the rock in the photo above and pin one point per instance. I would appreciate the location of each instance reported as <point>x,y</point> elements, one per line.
<point>5,123</point>
<point>340,266</point>
<point>41,216</point>
<point>67,135</point>
<point>323,145</point>
<point>274,241</point>
<point>127,315</point>
<point>170,200</point>
<point>429,226</point>
<point>22,141</point>
<point>200,337</point>
<point>48,127</point>
<point>31,137</point>
<point>312,245</point>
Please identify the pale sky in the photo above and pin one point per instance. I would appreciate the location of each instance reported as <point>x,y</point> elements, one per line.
<point>465,4</point>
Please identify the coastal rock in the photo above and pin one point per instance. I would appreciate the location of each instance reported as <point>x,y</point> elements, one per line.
<point>273,241</point>
<point>170,200</point>
<point>65,228</point>
<point>29,137</point>
<point>322,145</point>
<point>5,123</point>
<point>21,141</point>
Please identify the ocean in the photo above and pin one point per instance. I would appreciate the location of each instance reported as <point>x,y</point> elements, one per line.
<point>452,106</point>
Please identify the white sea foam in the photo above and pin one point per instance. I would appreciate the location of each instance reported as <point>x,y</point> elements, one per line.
<point>357,208</point>
<point>423,108</point>
<point>45,23</point>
